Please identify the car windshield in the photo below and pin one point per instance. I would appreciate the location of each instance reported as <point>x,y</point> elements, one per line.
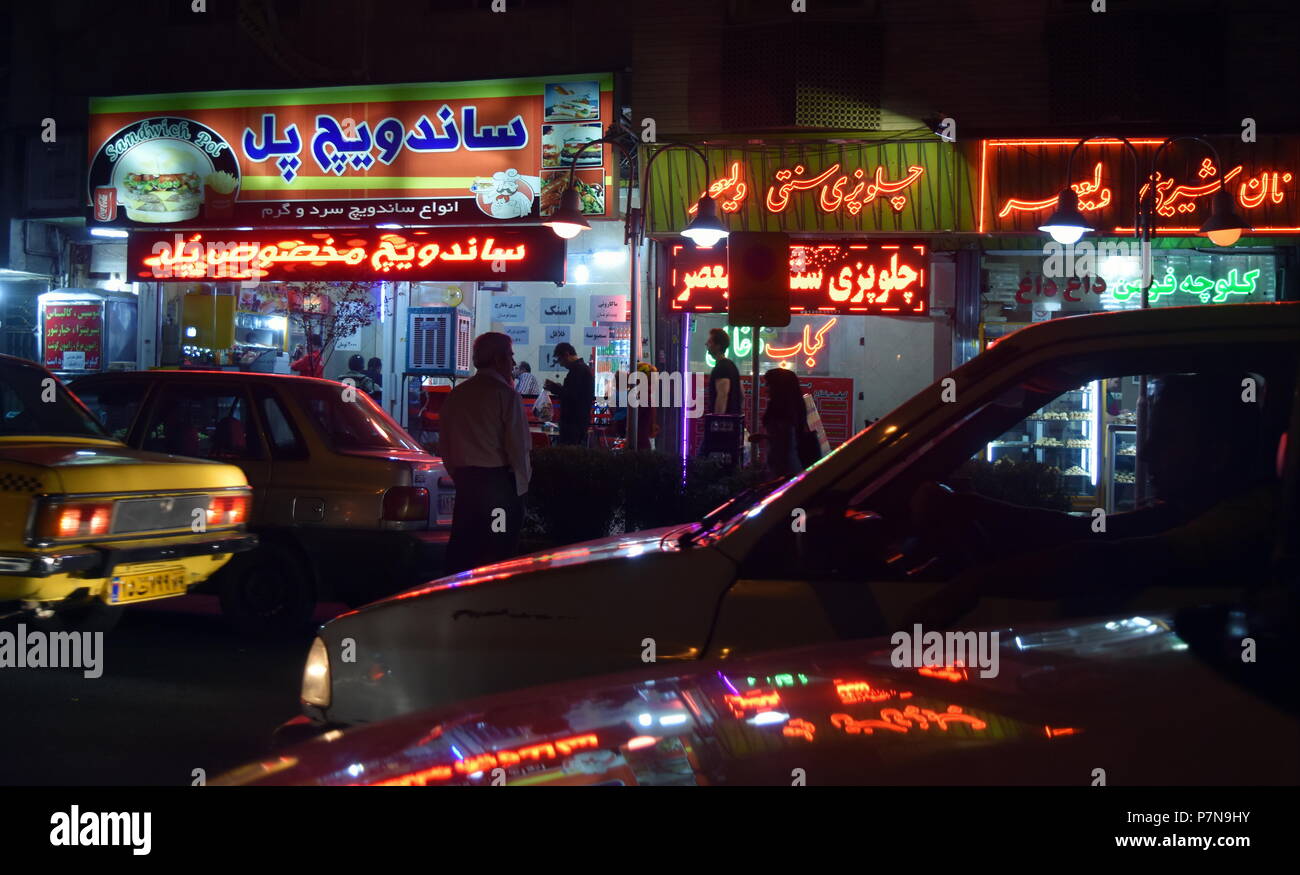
<point>352,425</point>
<point>735,506</point>
<point>31,406</point>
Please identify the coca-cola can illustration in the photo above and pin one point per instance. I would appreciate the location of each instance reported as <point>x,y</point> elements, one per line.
<point>105,203</point>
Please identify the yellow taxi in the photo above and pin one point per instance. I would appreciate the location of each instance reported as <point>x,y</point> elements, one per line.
<point>88,524</point>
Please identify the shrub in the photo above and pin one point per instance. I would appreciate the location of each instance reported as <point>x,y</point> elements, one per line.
<point>578,494</point>
<point>574,493</point>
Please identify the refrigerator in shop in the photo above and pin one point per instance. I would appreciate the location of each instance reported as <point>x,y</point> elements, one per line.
<point>85,331</point>
<point>1121,457</point>
<point>1064,435</point>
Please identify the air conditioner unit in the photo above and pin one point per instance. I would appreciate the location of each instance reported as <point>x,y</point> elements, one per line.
<point>438,342</point>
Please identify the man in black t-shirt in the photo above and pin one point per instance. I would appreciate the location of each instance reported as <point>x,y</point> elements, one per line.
<point>725,392</point>
<point>576,395</point>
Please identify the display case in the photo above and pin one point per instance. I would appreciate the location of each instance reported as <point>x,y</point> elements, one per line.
<point>1062,435</point>
<point>1121,485</point>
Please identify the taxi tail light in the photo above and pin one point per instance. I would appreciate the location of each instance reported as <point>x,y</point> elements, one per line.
<point>406,504</point>
<point>79,519</point>
<point>228,510</point>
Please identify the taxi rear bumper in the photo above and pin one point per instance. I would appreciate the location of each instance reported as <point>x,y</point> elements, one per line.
<point>99,561</point>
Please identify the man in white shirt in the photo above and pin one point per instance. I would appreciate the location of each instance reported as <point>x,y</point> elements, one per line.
<point>485,444</point>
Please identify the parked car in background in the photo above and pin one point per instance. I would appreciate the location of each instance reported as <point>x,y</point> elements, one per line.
<point>348,506</point>
<point>832,553</point>
<point>88,524</point>
<point>1128,700</point>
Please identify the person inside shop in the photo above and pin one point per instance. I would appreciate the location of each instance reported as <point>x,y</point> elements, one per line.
<point>375,371</point>
<point>576,395</point>
<point>308,363</point>
<point>725,393</point>
<point>356,372</point>
<point>485,444</point>
<point>526,381</point>
<point>1211,462</point>
<point>646,427</point>
<point>791,446</point>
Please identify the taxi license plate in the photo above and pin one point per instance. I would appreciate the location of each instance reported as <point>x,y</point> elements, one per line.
<point>446,503</point>
<point>146,586</point>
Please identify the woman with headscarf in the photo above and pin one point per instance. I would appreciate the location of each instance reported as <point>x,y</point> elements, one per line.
<point>783,421</point>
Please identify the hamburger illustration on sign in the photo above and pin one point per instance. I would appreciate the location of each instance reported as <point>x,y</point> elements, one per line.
<point>162,171</point>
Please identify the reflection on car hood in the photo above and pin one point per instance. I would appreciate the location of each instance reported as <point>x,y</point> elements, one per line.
<point>616,547</point>
<point>1123,696</point>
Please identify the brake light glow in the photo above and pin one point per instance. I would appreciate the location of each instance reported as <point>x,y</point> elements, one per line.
<point>82,519</point>
<point>228,510</point>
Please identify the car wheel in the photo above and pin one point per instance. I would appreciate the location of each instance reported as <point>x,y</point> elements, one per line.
<point>267,593</point>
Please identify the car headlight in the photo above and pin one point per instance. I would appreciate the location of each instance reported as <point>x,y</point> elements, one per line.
<point>316,676</point>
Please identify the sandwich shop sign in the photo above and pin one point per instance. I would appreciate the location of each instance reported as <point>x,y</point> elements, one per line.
<point>425,154</point>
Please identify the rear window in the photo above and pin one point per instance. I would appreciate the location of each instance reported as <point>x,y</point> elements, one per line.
<point>31,406</point>
<point>115,404</point>
<point>352,425</point>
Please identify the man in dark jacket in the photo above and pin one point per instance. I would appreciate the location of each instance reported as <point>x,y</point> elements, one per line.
<point>576,395</point>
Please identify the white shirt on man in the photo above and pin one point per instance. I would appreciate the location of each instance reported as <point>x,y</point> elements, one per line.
<point>483,425</point>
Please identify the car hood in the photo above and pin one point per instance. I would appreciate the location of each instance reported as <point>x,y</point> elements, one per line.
<point>101,466</point>
<point>627,546</point>
<point>1119,701</point>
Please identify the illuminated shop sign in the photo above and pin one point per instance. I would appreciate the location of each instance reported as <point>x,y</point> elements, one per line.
<point>893,186</point>
<point>868,278</point>
<point>464,254</point>
<point>1186,288</point>
<point>431,153</point>
<point>1020,181</point>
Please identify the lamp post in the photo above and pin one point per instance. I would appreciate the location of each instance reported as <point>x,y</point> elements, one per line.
<point>705,230</point>
<point>1223,227</point>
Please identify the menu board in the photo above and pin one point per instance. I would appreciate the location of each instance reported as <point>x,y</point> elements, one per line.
<point>73,336</point>
<point>832,395</point>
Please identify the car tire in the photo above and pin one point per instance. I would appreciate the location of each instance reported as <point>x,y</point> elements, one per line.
<point>268,593</point>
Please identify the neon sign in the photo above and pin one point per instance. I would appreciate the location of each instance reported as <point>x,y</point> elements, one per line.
<point>742,344</point>
<point>503,758</point>
<point>809,347</point>
<point>1198,285</point>
<point>832,196</point>
<point>1263,188</point>
<point>732,183</point>
<point>874,278</point>
<point>520,254</point>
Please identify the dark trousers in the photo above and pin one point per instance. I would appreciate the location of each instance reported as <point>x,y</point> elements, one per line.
<point>573,432</point>
<point>480,535</point>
